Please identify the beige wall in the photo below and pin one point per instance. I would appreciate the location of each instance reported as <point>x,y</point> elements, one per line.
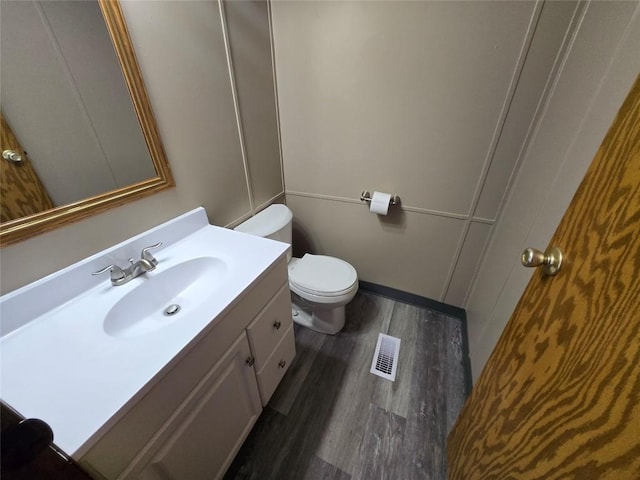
<point>431,101</point>
<point>250,38</point>
<point>597,70</point>
<point>183,58</point>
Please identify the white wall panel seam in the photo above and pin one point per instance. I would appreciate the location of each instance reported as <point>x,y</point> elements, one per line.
<point>624,50</point>
<point>481,252</point>
<point>540,213</point>
<point>454,260</point>
<point>246,216</point>
<point>576,19</point>
<point>269,202</point>
<point>236,106</point>
<point>506,105</point>
<point>275,93</point>
<point>558,64</point>
<point>486,221</point>
<point>515,76</point>
<point>406,208</point>
<point>76,91</point>
<point>573,29</point>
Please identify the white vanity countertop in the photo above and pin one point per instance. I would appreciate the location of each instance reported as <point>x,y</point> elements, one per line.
<point>60,365</point>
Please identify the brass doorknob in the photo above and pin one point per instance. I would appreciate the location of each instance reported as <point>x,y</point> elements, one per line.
<point>12,156</point>
<point>551,260</point>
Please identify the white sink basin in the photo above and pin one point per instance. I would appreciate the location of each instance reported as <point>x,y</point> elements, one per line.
<point>77,352</point>
<point>166,297</point>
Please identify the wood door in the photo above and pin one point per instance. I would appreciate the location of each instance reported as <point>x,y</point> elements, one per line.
<point>560,395</point>
<point>21,191</point>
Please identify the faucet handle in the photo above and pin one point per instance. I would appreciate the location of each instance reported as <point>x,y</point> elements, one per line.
<point>147,256</point>
<point>116,272</point>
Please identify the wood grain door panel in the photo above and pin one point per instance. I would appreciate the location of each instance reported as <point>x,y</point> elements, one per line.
<point>21,190</point>
<point>560,394</point>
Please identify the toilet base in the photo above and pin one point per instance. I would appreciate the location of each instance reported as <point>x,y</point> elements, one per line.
<point>323,320</point>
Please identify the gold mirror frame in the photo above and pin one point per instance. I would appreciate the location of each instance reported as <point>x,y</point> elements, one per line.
<point>23,228</point>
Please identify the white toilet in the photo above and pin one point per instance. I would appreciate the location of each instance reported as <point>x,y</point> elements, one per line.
<point>321,285</point>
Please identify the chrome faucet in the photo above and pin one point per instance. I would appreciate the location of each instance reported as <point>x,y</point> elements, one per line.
<point>120,276</point>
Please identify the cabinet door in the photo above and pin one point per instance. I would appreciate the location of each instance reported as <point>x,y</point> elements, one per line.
<point>204,435</point>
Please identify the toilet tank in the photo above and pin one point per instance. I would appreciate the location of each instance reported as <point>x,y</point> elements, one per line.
<point>273,222</point>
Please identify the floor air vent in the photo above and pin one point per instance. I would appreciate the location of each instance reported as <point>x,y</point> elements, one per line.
<point>385,358</point>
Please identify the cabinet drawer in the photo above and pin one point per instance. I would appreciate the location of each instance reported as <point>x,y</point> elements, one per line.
<point>276,366</point>
<point>270,326</point>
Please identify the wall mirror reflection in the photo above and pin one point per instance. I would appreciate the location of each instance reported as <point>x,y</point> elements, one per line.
<point>78,136</point>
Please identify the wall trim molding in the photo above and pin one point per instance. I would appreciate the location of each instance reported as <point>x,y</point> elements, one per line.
<point>535,124</point>
<point>486,221</point>
<point>272,43</point>
<point>406,208</point>
<point>493,146</point>
<point>275,199</point>
<point>236,105</point>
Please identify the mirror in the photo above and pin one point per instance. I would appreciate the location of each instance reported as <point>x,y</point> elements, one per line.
<point>113,155</point>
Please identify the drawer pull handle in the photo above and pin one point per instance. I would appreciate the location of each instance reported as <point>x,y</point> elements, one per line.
<point>277,324</point>
<point>250,361</point>
<point>282,363</point>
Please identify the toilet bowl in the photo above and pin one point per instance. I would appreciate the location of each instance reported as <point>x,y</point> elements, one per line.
<point>320,285</point>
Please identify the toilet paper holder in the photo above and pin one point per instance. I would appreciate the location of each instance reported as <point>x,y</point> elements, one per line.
<point>366,197</point>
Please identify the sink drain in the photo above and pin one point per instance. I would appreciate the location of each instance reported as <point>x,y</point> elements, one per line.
<point>172,309</point>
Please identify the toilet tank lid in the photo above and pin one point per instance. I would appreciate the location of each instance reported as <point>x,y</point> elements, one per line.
<point>268,221</point>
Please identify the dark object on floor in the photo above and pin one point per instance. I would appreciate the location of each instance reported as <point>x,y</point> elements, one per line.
<point>28,452</point>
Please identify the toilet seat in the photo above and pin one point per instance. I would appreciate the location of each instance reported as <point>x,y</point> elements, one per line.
<point>321,276</point>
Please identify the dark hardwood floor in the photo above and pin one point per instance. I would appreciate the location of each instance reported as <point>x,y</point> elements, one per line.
<point>332,419</point>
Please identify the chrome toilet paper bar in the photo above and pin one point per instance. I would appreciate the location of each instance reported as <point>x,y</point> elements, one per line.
<point>366,197</point>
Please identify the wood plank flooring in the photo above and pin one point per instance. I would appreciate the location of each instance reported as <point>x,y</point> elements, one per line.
<point>332,419</point>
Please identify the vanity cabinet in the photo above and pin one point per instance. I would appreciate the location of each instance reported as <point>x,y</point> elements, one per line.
<point>192,420</point>
<point>203,435</point>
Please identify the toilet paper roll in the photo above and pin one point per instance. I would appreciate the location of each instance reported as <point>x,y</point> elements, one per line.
<point>380,203</point>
